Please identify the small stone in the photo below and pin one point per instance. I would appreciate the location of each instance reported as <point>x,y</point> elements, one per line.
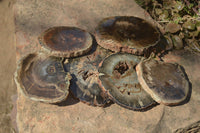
<point>189,25</point>
<point>177,41</point>
<point>179,5</point>
<point>169,42</point>
<point>158,11</point>
<point>164,15</point>
<point>172,27</point>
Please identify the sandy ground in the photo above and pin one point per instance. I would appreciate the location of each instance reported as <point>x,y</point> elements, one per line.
<point>7,65</point>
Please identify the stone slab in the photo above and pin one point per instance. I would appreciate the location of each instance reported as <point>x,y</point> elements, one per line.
<point>33,17</point>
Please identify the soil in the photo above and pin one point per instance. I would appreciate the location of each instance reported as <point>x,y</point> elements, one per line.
<point>7,66</point>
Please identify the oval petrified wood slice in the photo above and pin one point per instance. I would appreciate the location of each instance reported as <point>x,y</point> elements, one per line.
<point>84,83</point>
<point>42,78</point>
<point>126,34</point>
<point>119,78</point>
<point>165,82</point>
<point>65,41</point>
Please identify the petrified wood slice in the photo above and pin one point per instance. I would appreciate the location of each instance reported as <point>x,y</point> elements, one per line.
<point>84,83</point>
<point>126,34</point>
<point>119,78</point>
<point>165,82</point>
<point>42,78</point>
<point>65,41</point>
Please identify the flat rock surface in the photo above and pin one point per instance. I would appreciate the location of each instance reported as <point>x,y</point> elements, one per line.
<point>7,67</point>
<point>33,17</point>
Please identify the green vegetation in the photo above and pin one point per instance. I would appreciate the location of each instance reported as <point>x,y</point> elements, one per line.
<point>179,18</point>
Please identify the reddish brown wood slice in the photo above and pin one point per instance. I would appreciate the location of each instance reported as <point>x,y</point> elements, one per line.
<point>65,41</point>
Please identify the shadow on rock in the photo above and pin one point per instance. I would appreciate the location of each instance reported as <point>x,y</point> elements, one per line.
<point>69,101</point>
<point>160,49</point>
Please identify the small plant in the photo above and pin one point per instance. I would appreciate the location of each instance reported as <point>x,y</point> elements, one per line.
<point>185,14</point>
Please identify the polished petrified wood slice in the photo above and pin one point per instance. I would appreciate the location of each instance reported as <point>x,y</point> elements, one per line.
<point>84,71</point>
<point>118,76</point>
<point>126,34</point>
<point>42,78</point>
<point>167,83</point>
<point>65,41</point>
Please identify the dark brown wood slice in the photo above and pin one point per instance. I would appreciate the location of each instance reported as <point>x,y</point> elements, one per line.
<point>65,41</point>
<point>126,34</point>
<point>119,78</point>
<point>42,78</point>
<point>167,83</point>
<point>84,71</point>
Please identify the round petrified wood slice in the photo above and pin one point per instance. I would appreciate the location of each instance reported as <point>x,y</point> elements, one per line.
<point>165,82</point>
<point>66,41</point>
<point>84,83</point>
<point>126,34</point>
<point>119,78</point>
<point>42,78</point>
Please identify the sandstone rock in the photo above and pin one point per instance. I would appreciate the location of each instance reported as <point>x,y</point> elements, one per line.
<point>33,17</point>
